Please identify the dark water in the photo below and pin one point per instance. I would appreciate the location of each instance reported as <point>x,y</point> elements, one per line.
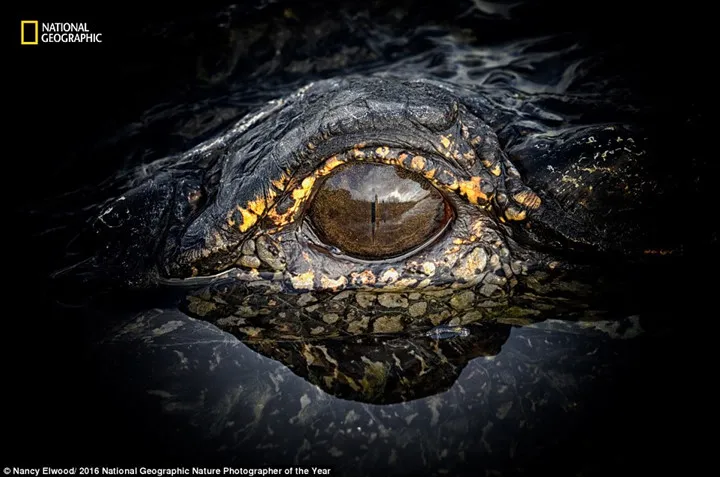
<point>154,387</point>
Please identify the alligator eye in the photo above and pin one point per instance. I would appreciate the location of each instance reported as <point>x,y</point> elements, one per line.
<point>376,211</point>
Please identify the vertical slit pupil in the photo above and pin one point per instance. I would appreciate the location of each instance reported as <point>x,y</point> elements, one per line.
<point>403,211</point>
<point>373,211</point>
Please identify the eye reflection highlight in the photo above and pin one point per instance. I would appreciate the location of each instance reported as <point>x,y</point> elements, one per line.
<point>377,211</point>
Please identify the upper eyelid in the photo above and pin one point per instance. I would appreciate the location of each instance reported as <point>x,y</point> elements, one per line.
<point>316,123</point>
<point>461,150</point>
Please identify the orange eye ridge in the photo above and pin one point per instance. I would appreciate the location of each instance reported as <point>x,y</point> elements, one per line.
<point>375,211</point>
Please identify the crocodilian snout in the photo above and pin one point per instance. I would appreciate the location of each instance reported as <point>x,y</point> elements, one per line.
<point>121,244</point>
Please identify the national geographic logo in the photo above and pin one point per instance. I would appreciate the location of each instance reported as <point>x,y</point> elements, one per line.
<point>32,32</point>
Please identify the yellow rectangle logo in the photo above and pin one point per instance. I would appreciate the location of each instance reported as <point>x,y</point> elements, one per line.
<point>34,38</point>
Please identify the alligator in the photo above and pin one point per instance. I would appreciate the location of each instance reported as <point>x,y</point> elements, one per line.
<point>362,213</point>
<point>376,230</point>
<point>423,209</point>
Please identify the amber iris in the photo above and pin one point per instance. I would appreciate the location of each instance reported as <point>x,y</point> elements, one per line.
<point>376,211</point>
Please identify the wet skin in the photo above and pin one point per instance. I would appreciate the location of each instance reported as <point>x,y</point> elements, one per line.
<point>546,225</point>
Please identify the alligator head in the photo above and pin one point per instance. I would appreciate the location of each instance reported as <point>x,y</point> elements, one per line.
<point>332,229</point>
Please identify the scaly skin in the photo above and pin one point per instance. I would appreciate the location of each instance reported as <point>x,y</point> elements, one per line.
<point>228,220</point>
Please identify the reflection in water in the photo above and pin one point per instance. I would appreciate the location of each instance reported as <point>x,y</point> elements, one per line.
<point>227,403</point>
<point>384,369</point>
